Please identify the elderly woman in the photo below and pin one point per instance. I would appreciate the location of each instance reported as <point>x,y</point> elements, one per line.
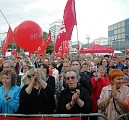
<point>37,97</point>
<point>98,82</point>
<point>9,92</point>
<point>126,80</point>
<point>114,98</point>
<point>73,99</point>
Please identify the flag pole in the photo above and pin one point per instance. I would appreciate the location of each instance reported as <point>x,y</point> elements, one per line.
<point>78,43</point>
<point>4,17</point>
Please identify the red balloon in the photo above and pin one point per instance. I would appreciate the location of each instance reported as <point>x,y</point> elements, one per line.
<point>28,35</point>
<point>15,31</point>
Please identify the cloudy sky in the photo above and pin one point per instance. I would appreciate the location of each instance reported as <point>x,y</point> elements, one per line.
<point>93,16</point>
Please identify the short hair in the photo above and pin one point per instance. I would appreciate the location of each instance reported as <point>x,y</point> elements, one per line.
<point>101,66</point>
<point>76,61</point>
<point>72,70</point>
<point>91,57</point>
<point>13,75</point>
<point>46,58</point>
<point>46,67</point>
<point>53,64</point>
<point>11,63</point>
<point>115,73</point>
<point>84,63</point>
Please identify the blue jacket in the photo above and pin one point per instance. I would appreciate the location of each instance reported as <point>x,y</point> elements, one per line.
<point>11,104</point>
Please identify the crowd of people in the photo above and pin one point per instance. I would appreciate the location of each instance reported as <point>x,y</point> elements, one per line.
<point>71,84</point>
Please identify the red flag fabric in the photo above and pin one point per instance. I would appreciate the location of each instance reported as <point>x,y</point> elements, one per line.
<point>69,17</point>
<point>5,46</point>
<point>66,47</point>
<point>9,38</point>
<point>10,35</point>
<point>48,40</point>
<point>42,49</point>
<point>69,20</point>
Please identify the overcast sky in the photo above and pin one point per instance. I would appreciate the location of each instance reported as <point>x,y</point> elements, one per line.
<point>93,16</point>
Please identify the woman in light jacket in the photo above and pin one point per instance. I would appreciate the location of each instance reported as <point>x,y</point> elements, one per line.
<point>9,92</point>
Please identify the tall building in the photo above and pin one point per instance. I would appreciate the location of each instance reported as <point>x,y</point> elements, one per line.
<point>101,41</point>
<point>118,35</point>
<point>55,29</point>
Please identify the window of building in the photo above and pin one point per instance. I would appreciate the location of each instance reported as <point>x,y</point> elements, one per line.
<point>115,32</point>
<point>115,26</point>
<point>119,25</point>
<point>112,27</point>
<point>119,36</point>
<point>122,29</point>
<point>119,31</point>
<point>122,23</point>
<point>123,35</point>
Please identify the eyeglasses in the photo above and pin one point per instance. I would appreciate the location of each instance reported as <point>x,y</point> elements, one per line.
<point>30,76</point>
<point>72,78</point>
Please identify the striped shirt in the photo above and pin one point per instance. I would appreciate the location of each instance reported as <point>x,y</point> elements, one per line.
<point>110,112</point>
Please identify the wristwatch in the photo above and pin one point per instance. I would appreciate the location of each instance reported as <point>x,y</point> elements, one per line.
<point>71,104</point>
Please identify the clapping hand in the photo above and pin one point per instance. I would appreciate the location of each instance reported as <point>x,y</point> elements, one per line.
<point>114,91</point>
<point>76,95</point>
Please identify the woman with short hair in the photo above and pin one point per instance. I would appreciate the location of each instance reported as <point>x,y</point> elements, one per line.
<point>73,99</point>
<point>114,98</point>
<point>9,92</point>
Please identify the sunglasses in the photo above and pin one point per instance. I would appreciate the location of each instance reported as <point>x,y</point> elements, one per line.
<point>30,76</point>
<point>72,78</point>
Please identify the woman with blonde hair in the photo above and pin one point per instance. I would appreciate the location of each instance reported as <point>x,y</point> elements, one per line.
<point>36,97</point>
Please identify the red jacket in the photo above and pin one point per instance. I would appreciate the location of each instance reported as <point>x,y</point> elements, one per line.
<point>96,90</point>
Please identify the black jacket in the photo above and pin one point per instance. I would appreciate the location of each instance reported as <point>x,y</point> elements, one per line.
<point>66,96</point>
<point>37,103</point>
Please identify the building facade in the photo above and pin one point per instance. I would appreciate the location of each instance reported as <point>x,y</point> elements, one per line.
<point>55,29</point>
<point>118,35</point>
<point>101,41</point>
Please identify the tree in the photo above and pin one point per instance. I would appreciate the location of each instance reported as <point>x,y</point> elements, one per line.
<point>50,48</point>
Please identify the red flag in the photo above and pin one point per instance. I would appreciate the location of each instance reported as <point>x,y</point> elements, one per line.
<point>69,20</point>
<point>42,49</point>
<point>48,40</point>
<point>5,47</point>
<point>9,38</point>
<point>69,17</point>
<point>65,47</point>
<point>59,41</point>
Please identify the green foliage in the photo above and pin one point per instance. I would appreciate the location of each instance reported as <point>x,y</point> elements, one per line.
<point>45,34</point>
<point>50,48</point>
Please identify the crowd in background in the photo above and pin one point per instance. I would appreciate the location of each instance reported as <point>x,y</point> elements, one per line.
<point>71,84</point>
